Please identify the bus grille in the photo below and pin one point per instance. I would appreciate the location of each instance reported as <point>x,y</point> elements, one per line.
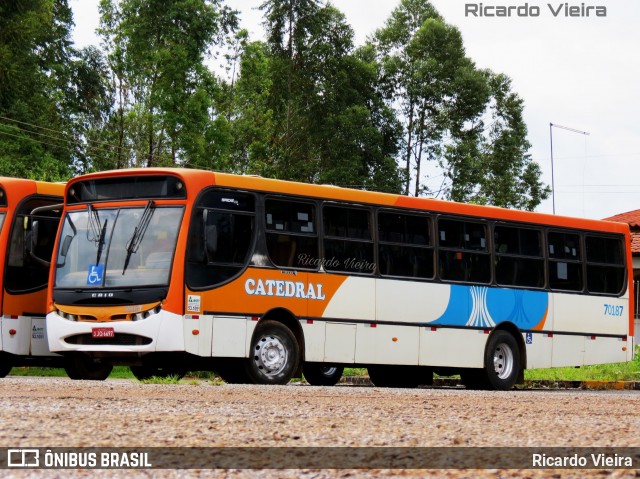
<point>120,339</point>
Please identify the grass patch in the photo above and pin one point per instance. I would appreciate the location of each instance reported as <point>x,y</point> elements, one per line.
<point>161,380</point>
<point>355,372</point>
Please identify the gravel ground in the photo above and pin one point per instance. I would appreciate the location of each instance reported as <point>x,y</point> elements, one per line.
<point>58,412</point>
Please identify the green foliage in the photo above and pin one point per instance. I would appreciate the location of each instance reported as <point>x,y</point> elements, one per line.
<point>491,165</point>
<point>307,107</point>
<point>304,105</point>
<point>165,114</point>
<point>445,102</point>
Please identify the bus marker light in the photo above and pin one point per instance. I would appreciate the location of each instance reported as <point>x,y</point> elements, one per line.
<point>373,325</point>
<point>593,338</point>
<point>550,335</point>
<point>624,348</point>
<point>14,316</point>
<point>394,340</point>
<point>195,332</point>
<point>195,316</point>
<point>433,328</point>
<point>309,321</point>
<point>486,331</point>
<point>12,332</point>
<point>254,318</point>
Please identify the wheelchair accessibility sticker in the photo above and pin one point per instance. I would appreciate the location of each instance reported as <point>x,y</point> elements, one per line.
<point>96,271</point>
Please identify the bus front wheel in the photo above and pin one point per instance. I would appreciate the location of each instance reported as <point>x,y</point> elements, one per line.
<point>274,354</point>
<point>318,374</point>
<point>81,366</point>
<point>6,364</point>
<point>502,361</point>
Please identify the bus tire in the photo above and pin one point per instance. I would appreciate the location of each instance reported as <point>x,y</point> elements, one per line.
<point>502,361</point>
<point>274,354</point>
<point>319,374</point>
<point>143,373</point>
<point>6,364</point>
<point>82,367</point>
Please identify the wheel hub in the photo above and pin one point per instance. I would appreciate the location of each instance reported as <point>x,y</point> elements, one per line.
<point>270,355</point>
<point>503,360</point>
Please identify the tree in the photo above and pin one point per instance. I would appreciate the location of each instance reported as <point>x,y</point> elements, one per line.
<point>326,121</point>
<point>427,76</point>
<point>442,99</point>
<point>165,112</point>
<point>490,165</point>
<point>36,134</point>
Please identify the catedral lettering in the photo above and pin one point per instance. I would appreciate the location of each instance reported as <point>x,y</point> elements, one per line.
<point>169,270</point>
<point>526,10</point>
<point>284,289</point>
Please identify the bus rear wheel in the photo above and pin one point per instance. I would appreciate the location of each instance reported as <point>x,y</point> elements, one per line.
<point>80,366</point>
<point>274,355</point>
<point>319,374</point>
<point>502,361</point>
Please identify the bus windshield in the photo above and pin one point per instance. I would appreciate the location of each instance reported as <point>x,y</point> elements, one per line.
<point>117,247</point>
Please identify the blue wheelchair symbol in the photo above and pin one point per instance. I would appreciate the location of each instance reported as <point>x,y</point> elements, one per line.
<point>96,271</point>
<point>529,338</point>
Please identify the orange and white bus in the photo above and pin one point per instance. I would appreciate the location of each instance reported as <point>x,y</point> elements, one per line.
<point>30,213</point>
<point>24,269</point>
<point>261,280</point>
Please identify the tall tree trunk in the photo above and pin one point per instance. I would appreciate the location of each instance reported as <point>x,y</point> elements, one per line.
<point>408,152</point>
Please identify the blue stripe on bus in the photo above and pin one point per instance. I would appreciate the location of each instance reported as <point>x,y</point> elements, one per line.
<point>481,306</point>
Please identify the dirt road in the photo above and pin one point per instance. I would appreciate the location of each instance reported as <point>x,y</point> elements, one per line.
<point>57,412</point>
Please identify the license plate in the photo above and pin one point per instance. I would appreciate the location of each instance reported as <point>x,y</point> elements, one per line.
<point>102,333</point>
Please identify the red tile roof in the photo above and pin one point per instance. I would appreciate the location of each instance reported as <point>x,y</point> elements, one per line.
<point>632,218</point>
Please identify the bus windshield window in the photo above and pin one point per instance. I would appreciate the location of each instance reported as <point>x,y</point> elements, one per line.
<point>95,245</point>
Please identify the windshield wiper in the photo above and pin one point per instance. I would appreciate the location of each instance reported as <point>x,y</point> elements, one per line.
<point>101,241</point>
<point>138,233</point>
<point>94,224</point>
<point>98,230</point>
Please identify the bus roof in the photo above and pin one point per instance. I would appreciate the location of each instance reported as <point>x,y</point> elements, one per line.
<point>18,188</point>
<point>203,178</point>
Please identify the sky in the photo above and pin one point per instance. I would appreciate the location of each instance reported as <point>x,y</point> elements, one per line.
<point>577,72</point>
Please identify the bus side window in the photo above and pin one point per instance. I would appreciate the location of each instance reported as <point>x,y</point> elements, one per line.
<point>565,261</point>
<point>347,242</point>
<point>463,251</point>
<point>220,237</point>
<point>605,265</point>
<point>404,247</point>
<point>291,232</point>
<point>519,260</point>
